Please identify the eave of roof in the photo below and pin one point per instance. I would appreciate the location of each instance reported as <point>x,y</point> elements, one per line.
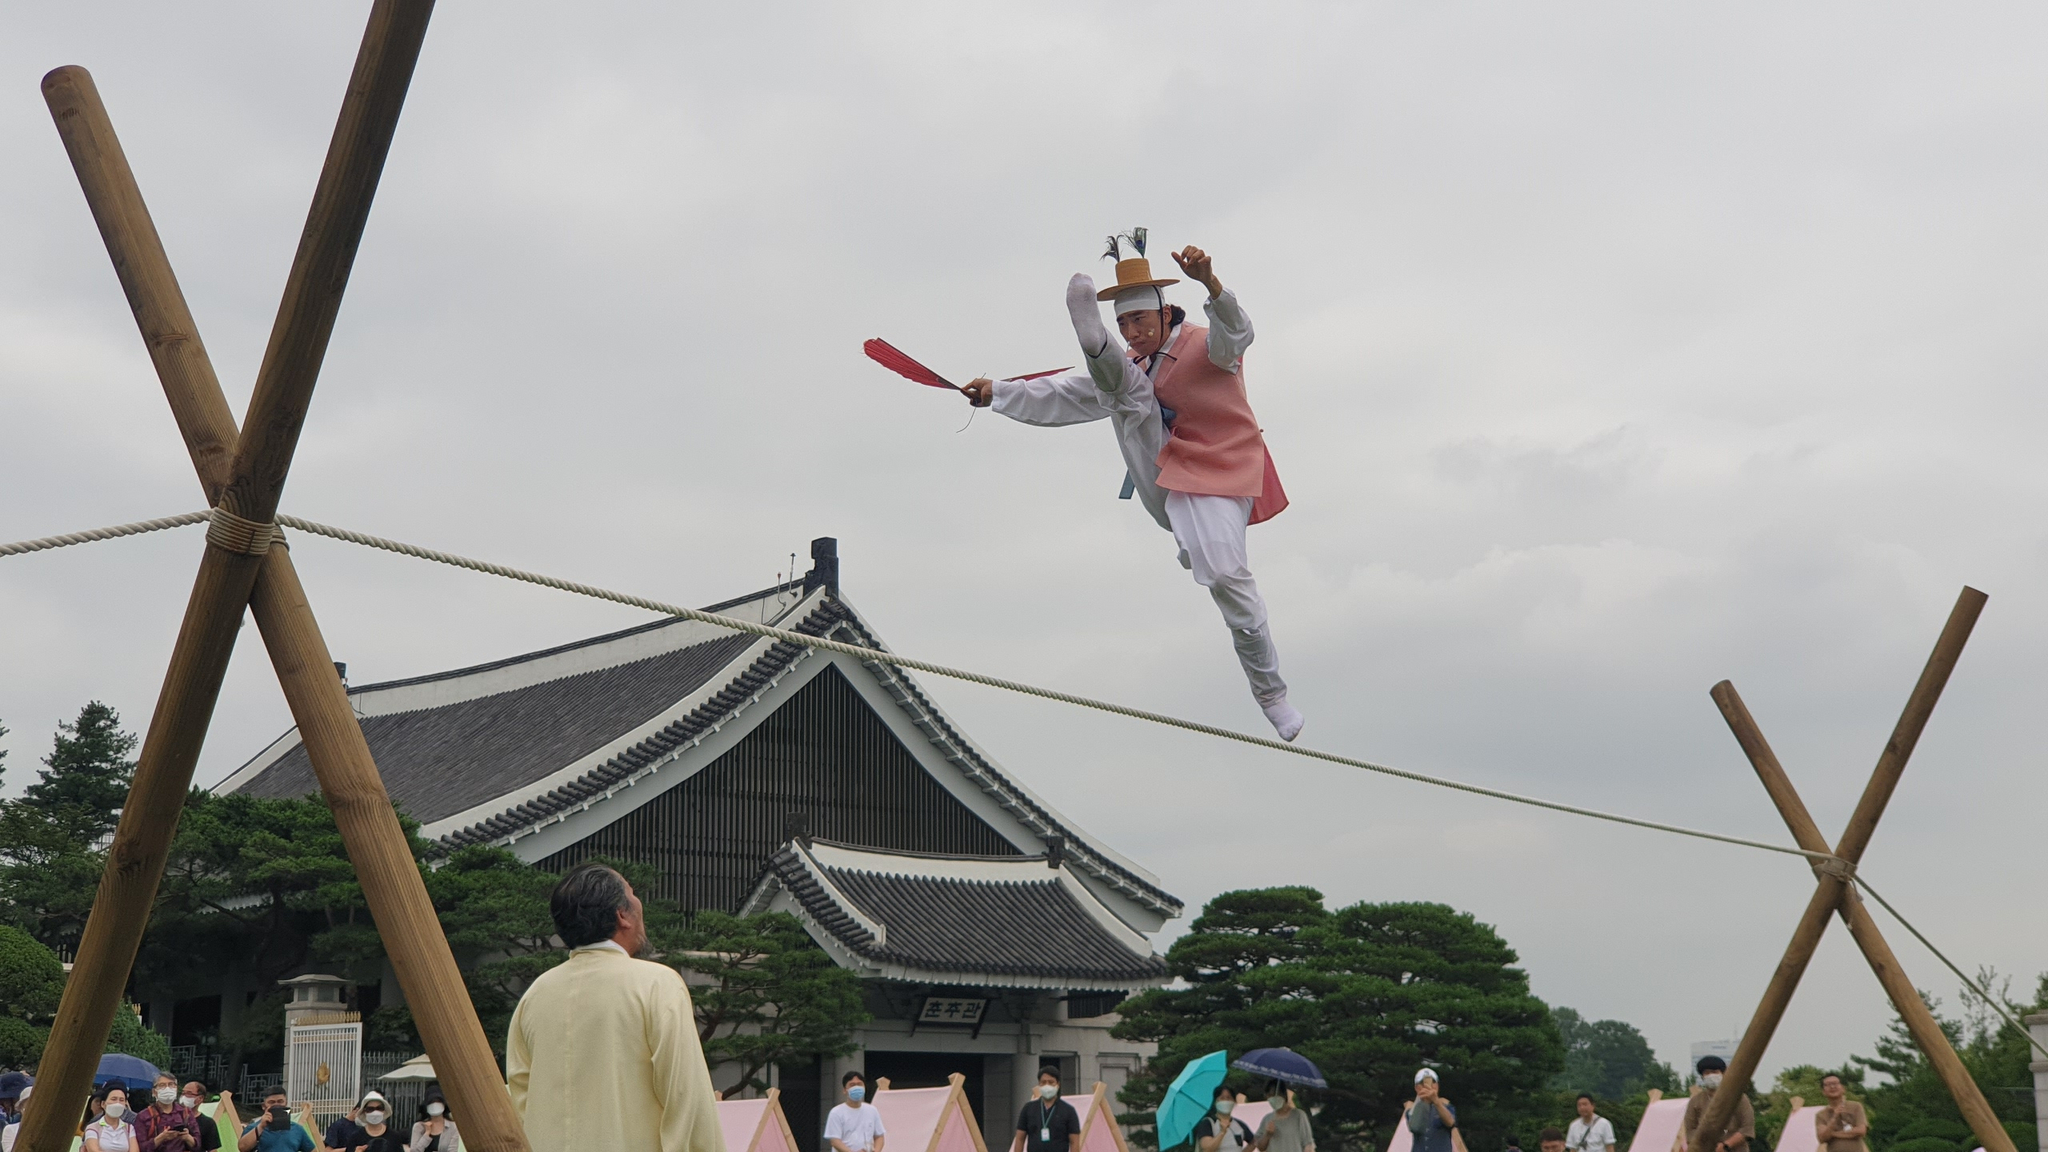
<point>983,921</point>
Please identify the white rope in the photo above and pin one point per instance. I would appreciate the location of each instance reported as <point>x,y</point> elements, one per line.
<point>1983,993</point>
<point>114,533</point>
<point>885,657</point>
<point>881,656</point>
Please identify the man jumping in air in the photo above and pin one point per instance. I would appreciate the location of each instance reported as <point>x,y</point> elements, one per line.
<point>1194,452</point>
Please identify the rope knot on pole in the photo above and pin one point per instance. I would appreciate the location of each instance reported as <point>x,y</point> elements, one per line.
<point>231,533</point>
<point>1835,866</point>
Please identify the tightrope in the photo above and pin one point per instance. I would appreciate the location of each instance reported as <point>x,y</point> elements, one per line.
<point>883,656</point>
<point>1982,992</point>
<point>114,533</point>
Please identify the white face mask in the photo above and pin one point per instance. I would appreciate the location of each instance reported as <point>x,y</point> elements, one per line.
<point>1048,1091</point>
<point>189,1101</point>
<point>1276,1103</point>
<point>373,1117</point>
<point>166,1095</point>
<point>116,1109</point>
<point>1223,1107</point>
<point>435,1109</point>
<point>1711,1080</point>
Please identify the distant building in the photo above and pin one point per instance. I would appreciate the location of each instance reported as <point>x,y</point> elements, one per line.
<point>994,933</point>
<point>1701,1049</point>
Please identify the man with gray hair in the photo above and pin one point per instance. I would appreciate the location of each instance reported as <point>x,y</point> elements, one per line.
<point>603,1048</point>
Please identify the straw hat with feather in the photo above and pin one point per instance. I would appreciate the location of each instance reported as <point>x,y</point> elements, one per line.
<point>1135,272</point>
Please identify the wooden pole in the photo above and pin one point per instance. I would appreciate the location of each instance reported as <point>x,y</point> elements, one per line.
<point>227,572</point>
<point>1832,889</point>
<point>1926,1030</point>
<point>333,740</point>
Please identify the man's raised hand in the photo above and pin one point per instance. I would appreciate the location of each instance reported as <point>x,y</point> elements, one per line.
<point>980,391</point>
<point>1197,264</point>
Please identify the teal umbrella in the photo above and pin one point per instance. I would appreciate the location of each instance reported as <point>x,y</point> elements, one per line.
<point>1188,1098</point>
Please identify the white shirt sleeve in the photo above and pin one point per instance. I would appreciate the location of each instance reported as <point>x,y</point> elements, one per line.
<point>1230,330</point>
<point>1050,401</point>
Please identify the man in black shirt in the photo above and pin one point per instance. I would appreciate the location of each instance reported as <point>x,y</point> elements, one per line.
<point>209,1132</point>
<point>1048,1124</point>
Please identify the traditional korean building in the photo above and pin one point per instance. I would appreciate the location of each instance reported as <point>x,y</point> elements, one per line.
<point>994,933</point>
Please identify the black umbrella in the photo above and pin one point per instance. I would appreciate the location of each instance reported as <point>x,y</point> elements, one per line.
<point>1282,1064</point>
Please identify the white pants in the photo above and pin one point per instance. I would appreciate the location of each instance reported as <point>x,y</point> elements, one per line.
<point>1209,529</point>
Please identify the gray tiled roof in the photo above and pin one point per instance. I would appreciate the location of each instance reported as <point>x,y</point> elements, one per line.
<point>440,761</point>
<point>964,927</point>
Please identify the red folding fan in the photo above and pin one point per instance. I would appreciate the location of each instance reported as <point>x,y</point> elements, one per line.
<point>886,354</point>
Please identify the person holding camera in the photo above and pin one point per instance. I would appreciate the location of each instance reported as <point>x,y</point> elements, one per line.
<point>274,1130</point>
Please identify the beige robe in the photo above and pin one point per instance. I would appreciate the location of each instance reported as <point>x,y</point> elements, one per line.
<point>605,1047</point>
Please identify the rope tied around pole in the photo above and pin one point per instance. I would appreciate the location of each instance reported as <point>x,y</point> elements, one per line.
<point>1834,866</point>
<point>231,533</point>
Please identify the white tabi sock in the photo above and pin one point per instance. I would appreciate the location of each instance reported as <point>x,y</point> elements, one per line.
<point>1285,718</point>
<point>1086,311</point>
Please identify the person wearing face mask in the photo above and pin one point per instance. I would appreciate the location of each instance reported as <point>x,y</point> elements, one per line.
<point>1741,1126</point>
<point>193,1096</point>
<point>167,1125</point>
<point>1193,451</point>
<point>855,1126</point>
<point>1048,1123</point>
<point>273,1130</point>
<point>1286,1127</point>
<point>434,1131</point>
<point>113,1132</point>
<point>1219,1131</point>
<point>373,1128</point>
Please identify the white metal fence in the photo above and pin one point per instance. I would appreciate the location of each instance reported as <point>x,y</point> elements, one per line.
<point>323,1066</point>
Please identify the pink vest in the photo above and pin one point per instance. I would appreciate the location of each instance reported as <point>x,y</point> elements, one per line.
<point>1216,448</point>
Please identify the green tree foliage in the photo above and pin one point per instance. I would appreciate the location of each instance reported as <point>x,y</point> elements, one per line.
<point>1370,993</point>
<point>494,908</point>
<point>264,885</point>
<point>85,777</point>
<point>1608,1058</point>
<point>31,983</point>
<point>1913,1112</point>
<point>764,992</point>
<point>49,837</point>
<point>131,1036</point>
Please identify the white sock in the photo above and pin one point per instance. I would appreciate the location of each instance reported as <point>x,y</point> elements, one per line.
<point>1285,718</point>
<point>1086,311</point>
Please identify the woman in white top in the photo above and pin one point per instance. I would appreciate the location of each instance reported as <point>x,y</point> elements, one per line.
<point>112,1132</point>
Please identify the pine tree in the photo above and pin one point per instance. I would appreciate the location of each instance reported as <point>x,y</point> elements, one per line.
<point>84,781</point>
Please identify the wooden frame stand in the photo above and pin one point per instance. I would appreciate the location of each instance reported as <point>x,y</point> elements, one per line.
<point>246,566</point>
<point>1835,891</point>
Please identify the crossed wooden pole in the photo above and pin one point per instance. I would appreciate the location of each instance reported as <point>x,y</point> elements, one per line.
<point>1835,891</point>
<point>247,566</point>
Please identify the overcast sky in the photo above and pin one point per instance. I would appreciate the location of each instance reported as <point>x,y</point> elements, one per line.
<point>1606,351</point>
